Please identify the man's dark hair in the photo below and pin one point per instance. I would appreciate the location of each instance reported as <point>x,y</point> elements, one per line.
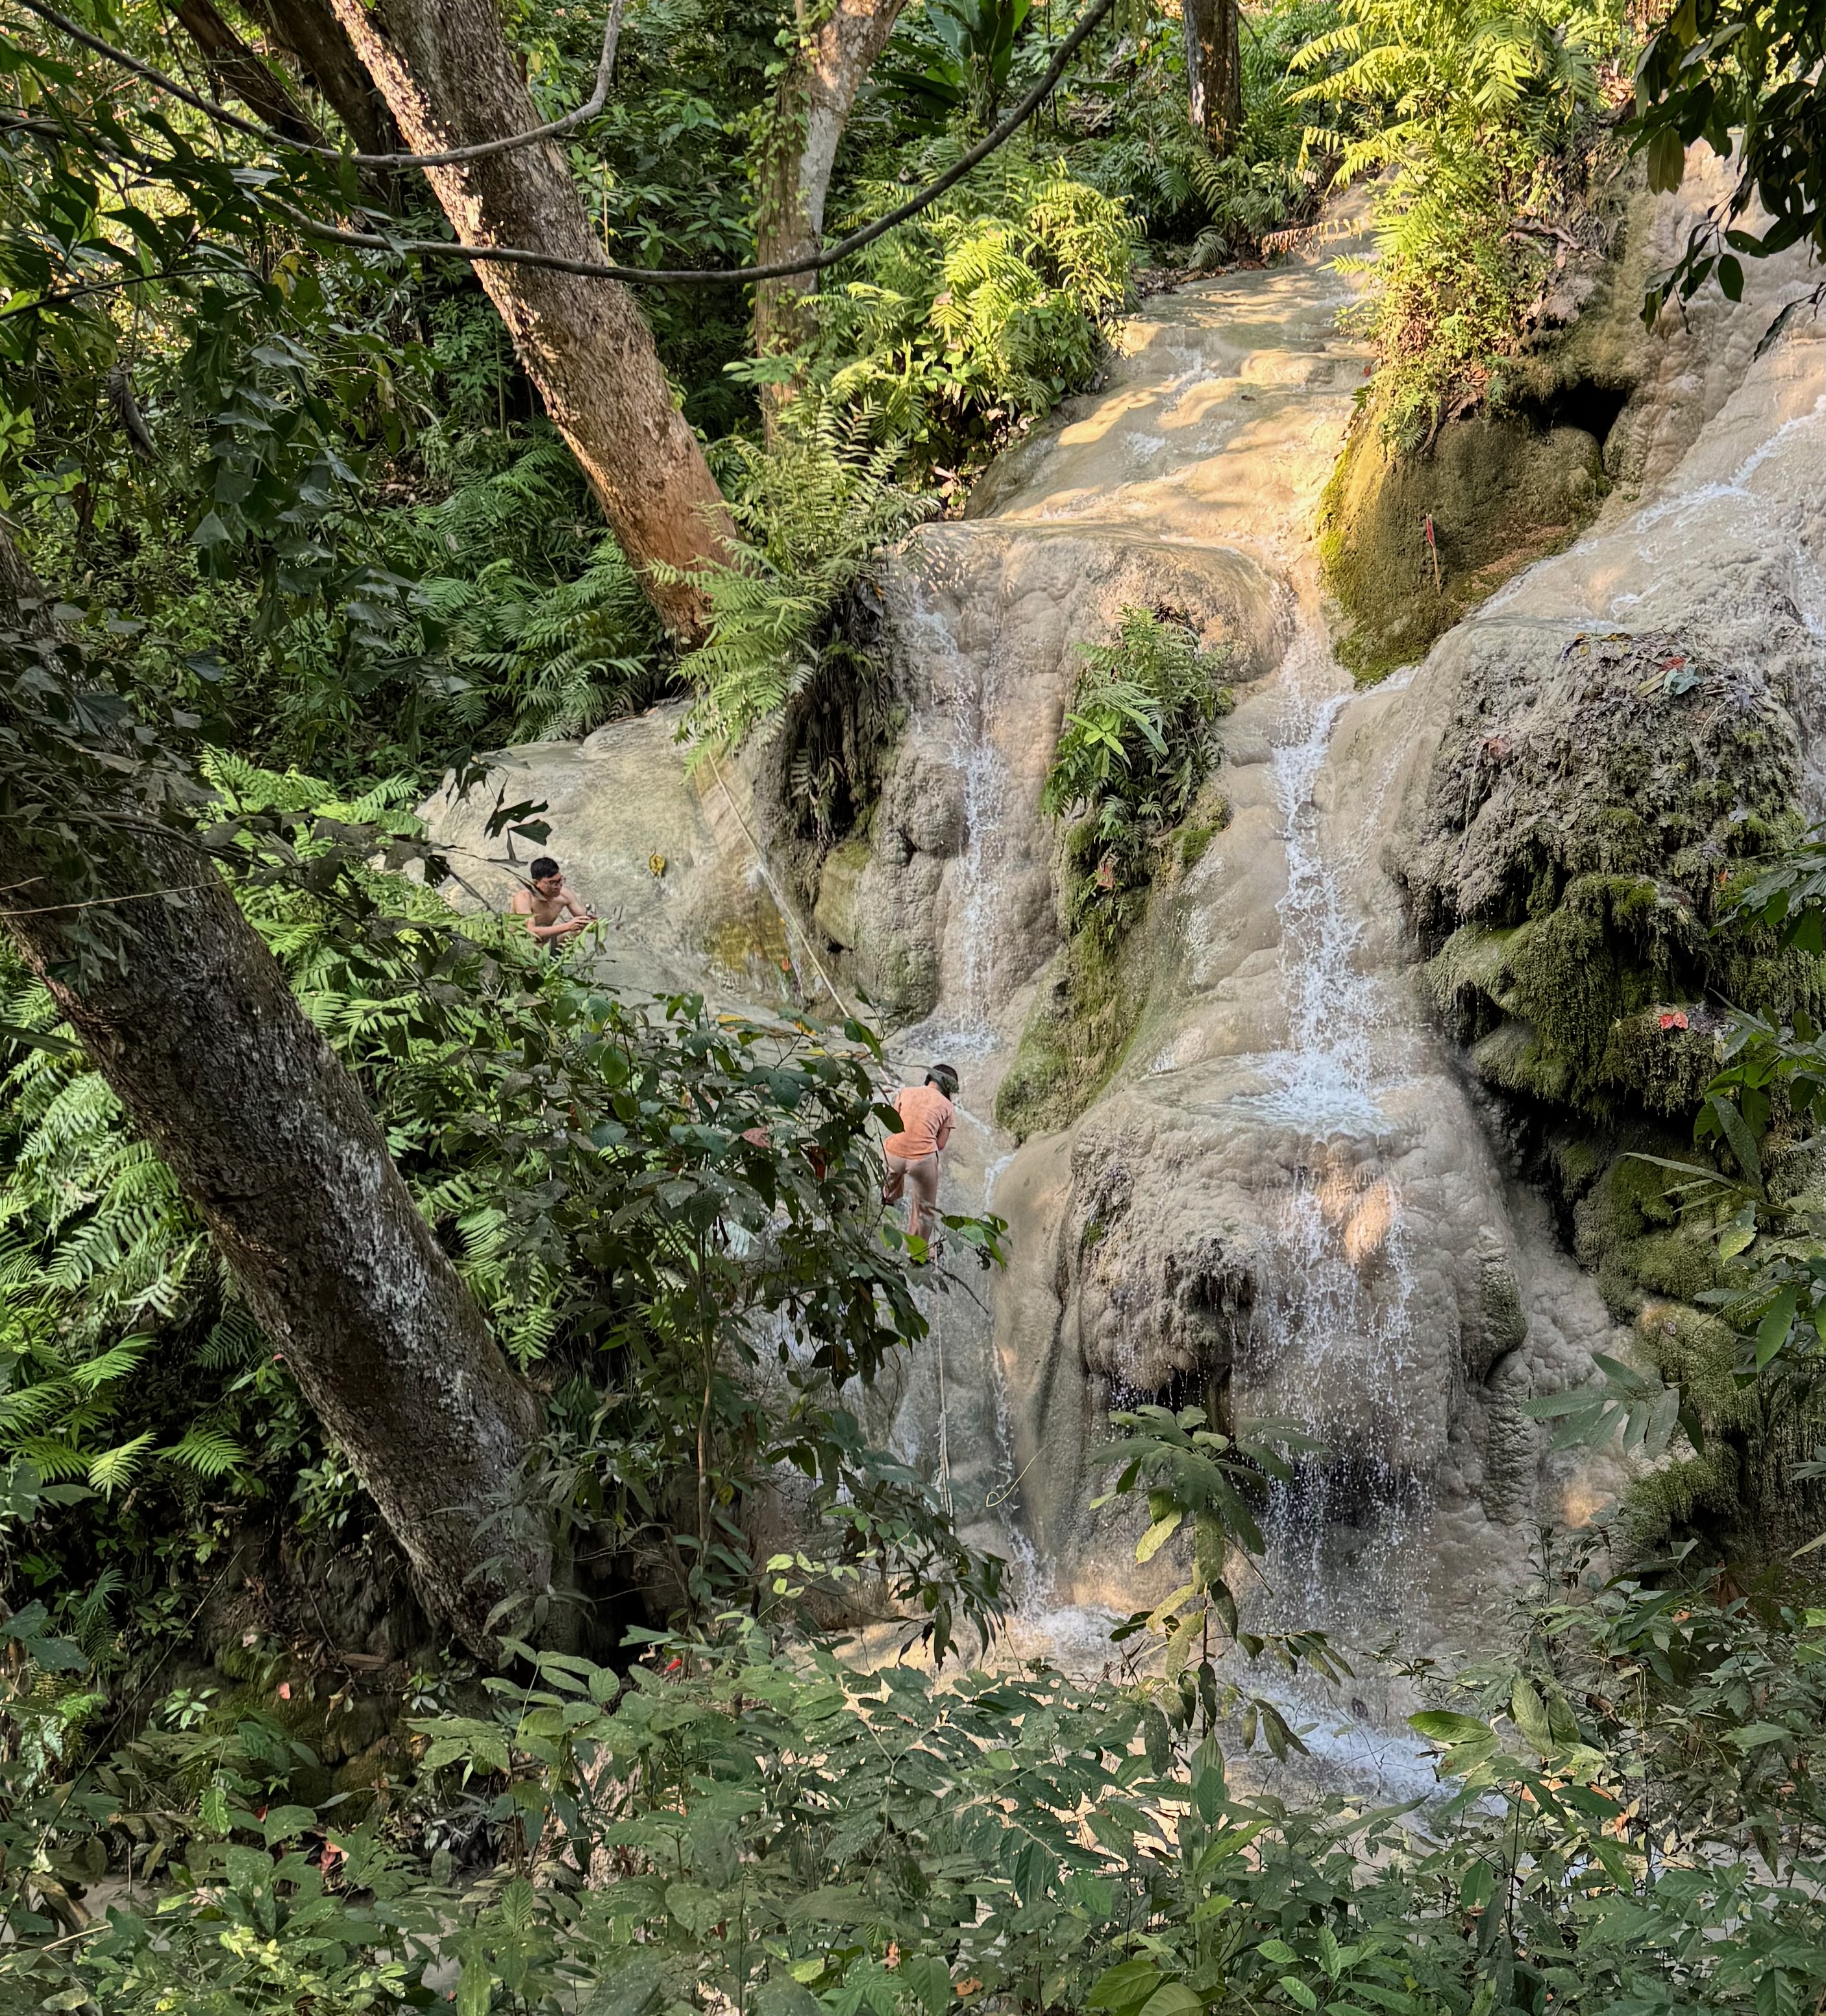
<point>945,1078</point>
<point>544,865</point>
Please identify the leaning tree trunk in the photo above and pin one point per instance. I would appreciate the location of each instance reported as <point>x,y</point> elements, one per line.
<point>236,71</point>
<point>1213,57</point>
<point>811,110</point>
<point>310,31</point>
<point>445,69</point>
<point>194,1027</point>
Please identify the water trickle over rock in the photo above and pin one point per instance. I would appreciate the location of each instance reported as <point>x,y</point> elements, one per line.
<point>1316,1183</point>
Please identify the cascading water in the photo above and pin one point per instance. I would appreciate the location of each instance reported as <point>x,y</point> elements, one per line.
<point>1320,1081</point>
<point>1331,1336</point>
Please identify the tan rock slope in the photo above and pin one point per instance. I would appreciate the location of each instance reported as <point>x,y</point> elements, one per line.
<point>1294,1196</point>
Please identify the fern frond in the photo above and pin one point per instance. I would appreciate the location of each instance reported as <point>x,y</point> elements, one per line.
<point>113,1468</point>
<point>209,1452</point>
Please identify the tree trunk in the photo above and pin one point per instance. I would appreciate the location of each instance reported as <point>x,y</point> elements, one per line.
<point>811,110</point>
<point>444,68</point>
<point>236,71</point>
<point>1213,61</point>
<point>196,1031</point>
<point>314,35</point>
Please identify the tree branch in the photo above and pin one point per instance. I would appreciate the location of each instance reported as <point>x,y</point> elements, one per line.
<point>222,116</point>
<point>686,276</point>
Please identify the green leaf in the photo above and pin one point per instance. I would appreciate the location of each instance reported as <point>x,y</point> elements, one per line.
<point>476,1988</point>
<point>633,1988</point>
<point>1772,1331</point>
<point>1125,1987</point>
<point>1757,1733</point>
<point>1173,1999</point>
<point>1440,1725</point>
<point>780,1995</point>
<point>1529,1713</point>
<point>1735,1239</point>
<point>1667,162</point>
<point>1295,1990</point>
<point>1736,1131</point>
<point>924,1973</point>
<point>1157,1535</point>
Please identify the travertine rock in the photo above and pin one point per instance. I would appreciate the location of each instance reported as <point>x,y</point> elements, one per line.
<point>1294,1195</point>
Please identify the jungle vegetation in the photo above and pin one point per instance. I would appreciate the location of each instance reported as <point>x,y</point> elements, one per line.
<point>364,1275</point>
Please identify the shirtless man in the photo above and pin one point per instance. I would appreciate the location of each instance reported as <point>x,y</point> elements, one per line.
<point>544,902</point>
<point>927,1112</point>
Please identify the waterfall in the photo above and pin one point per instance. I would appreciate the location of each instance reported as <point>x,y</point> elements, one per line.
<point>1320,1083</point>
<point>971,989</point>
<point>1332,1345</point>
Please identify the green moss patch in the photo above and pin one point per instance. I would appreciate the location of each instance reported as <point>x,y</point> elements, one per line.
<point>1499,495</point>
<point>1737,1495</point>
<point>1079,1031</point>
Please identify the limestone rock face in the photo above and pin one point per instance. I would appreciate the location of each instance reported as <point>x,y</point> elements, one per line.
<point>1297,1194</point>
<point>668,864</point>
<point>956,904</point>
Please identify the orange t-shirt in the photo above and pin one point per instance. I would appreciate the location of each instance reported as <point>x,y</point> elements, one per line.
<point>926,1123</point>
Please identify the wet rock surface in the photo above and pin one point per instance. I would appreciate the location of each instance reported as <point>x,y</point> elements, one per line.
<point>1298,1194</point>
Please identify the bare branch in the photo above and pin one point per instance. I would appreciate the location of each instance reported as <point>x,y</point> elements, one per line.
<point>555,129</point>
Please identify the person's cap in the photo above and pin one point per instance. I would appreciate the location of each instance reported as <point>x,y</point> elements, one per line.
<point>945,1078</point>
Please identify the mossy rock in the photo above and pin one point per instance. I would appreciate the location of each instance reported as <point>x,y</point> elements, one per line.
<point>1582,832</point>
<point>839,884</point>
<point>1082,1020</point>
<point>1500,493</point>
<point>1088,1007</point>
<point>1633,1229</point>
<point>1737,1495</point>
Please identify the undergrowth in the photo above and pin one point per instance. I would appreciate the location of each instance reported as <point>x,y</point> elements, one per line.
<point>1480,126</point>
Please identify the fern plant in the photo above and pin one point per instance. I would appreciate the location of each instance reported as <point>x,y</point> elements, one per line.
<point>1478,121</point>
<point>986,310</point>
<point>534,623</point>
<point>811,510</point>
<point>1138,742</point>
<point>1142,149</point>
<point>98,1253</point>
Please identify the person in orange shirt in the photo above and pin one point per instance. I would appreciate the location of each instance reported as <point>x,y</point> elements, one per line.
<point>927,1112</point>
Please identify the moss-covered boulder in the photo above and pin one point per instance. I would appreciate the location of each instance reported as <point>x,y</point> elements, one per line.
<point>1578,830</point>
<point>1594,793</point>
<point>1497,494</point>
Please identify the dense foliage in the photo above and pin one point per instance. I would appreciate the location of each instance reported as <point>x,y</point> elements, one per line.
<point>1745,78</point>
<point>315,544</point>
<point>1481,121</point>
<point>1138,742</point>
<point>1629,1818</point>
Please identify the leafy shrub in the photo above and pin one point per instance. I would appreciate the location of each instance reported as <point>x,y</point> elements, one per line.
<point>1481,123</point>
<point>1142,148</point>
<point>1629,1818</point>
<point>812,510</point>
<point>1138,744</point>
<point>987,309</point>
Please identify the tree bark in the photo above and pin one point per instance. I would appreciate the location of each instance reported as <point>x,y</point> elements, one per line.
<point>1213,61</point>
<point>444,68</point>
<point>312,34</point>
<point>196,1031</point>
<point>811,108</point>
<point>236,71</point>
